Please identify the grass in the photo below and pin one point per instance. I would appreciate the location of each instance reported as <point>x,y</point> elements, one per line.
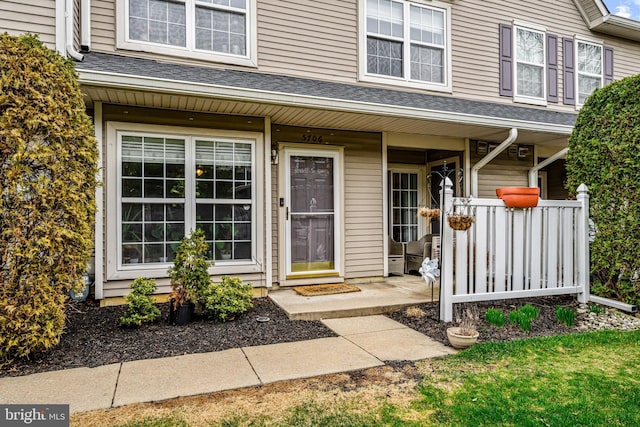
<point>568,380</point>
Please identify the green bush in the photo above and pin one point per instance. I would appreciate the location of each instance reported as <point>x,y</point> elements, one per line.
<point>48,164</point>
<point>140,307</point>
<point>224,300</point>
<point>189,273</point>
<point>603,154</point>
<point>495,317</point>
<point>566,315</point>
<point>530,311</point>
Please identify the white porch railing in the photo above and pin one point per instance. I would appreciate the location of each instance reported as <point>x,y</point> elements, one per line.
<point>514,253</point>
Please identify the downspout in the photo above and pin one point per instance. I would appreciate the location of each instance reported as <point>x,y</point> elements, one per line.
<point>85,25</point>
<point>513,134</point>
<point>68,15</point>
<point>533,173</point>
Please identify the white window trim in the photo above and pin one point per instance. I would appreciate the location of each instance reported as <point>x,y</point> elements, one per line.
<point>114,270</point>
<point>536,29</point>
<point>248,60</point>
<point>595,42</point>
<point>406,81</point>
<point>423,196</point>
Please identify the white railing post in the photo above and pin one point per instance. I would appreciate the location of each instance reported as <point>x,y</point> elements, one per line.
<point>584,265</point>
<point>446,252</point>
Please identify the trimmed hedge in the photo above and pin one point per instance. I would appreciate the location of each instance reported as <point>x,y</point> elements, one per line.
<point>48,164</point>
<point>604,153</point>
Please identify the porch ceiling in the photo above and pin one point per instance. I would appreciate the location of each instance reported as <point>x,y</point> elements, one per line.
<point>314,117</point>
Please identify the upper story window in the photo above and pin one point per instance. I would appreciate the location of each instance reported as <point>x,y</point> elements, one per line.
<point>587,66</point>
<point>406,43</point>
<point>589,69</point>
<point>217,30</point>
<point>530,63</point>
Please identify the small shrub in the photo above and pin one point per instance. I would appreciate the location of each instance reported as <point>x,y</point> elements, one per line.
<point>467,317</point>
<point>596,309</point>
<point>140,307</point>
<point>495,317</point>
<point>415,312</point>
<point>225,300</point>
<point>189,273</point>
<point>566,315</point>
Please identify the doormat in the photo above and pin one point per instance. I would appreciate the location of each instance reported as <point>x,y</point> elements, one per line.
<point>328,289</point>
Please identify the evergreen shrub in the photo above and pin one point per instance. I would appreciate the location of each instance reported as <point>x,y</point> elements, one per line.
<point>48,164</point>
<point>604,154</point>
<point>227,299</point>
<point>140,307</point>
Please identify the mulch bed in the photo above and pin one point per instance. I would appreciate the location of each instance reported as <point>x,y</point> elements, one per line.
<point>93,335</point>
<point>545,325</point>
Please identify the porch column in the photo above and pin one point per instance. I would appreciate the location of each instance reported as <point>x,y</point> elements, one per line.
<point>446,252</point>
<point>584,264</point>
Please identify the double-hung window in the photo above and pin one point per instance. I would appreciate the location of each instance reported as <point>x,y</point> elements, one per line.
<point>529,63</point>
<point>589,69</point>
<point>168,184</point>
<point>406,43</point>
<point>219,30</point>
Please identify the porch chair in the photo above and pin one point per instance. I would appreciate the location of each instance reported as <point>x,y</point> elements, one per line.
<point>417,251</point>
<point>396,257</point>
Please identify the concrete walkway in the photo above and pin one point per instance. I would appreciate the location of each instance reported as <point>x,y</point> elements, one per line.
<point>363,342</point>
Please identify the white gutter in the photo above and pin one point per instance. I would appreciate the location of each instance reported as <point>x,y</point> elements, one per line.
<point>126,82</point>
<point>85,25</point>
<point>60,26</point>
<point>533,173</point>
<point>68,15</point>
<point>513,134</point>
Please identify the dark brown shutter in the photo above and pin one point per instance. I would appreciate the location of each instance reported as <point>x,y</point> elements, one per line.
<point>608,65</point>
<point>506,65</point>
<point>552,68</point>
<point>568,62</point>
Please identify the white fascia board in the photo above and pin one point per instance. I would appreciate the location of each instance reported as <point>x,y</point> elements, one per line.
<point>151,84</point>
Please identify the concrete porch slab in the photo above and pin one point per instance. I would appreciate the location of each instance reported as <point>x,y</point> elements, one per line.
<point>304,359</point>
<point>385,296</point>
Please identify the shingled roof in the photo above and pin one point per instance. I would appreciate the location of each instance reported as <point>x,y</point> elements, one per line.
<point>286,85</point>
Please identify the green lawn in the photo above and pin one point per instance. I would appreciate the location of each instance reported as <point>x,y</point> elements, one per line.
<point>589,379</point>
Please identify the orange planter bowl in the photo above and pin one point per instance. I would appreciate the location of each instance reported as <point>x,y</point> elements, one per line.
<point>519,197</point>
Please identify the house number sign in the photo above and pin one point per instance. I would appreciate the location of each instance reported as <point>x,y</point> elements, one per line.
<point>307,137</point>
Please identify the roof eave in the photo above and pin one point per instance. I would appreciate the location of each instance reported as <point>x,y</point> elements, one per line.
<point>123,81</point>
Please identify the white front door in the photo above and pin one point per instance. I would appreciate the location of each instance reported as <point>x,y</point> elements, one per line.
<point>312,212</point>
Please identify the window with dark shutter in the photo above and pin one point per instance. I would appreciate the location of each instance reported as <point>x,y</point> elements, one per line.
<point>608,65</point>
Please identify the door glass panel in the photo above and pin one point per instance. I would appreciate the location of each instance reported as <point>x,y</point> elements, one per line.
<point>404,190</point>
<point>312,237</point>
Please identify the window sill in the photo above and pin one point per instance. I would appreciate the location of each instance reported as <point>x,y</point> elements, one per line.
<point>245,61</point>
<point>434,87</point>
<point>530,101</point>
<point>160,271</point>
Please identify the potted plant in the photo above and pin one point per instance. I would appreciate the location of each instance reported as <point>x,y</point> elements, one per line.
<point>189,277</point>
<point>466,334</point>
<point>224,248</point>
<point>519,197</point>
<point>457,219</point>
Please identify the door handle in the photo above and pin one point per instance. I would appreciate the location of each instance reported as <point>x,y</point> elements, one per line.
<point>287,213</point>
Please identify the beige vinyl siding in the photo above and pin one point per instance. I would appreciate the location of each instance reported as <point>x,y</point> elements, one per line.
<point>76,24</point>
<point>38,17</point>
<point>311,39</point>
<point>103,25</point>
<point>503,171</point>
